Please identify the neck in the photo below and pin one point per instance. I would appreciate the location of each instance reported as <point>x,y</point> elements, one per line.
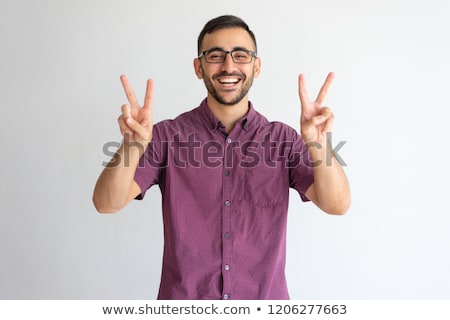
<point>227,114</point>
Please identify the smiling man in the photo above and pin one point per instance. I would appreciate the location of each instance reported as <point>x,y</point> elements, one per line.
<point>228,80</point>
<point>224,172</point>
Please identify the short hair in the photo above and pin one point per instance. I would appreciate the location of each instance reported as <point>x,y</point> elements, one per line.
<point>222,22</point>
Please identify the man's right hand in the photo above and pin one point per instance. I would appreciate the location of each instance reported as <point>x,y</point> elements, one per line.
<point>136,122</point>
<point>116,187</point>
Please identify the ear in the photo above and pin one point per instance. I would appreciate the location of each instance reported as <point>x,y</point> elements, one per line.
<point>257,67</point>
<point>198,68</point>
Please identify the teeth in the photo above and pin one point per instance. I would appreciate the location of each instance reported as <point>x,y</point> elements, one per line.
<point>229,80</point>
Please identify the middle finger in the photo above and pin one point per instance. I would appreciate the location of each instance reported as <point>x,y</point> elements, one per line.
<point>323,91</point>
<point>129,91</point>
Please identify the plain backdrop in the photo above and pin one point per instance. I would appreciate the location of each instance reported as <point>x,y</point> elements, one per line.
<point>60,63</point>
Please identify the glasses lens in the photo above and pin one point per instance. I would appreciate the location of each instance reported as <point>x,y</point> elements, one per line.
<point>215,56</point>
<point>240,56</point>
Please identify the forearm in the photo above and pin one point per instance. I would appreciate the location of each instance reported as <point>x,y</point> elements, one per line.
<point>332,191</point>
<point>112,191</point>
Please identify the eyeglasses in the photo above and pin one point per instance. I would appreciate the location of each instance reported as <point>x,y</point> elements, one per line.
<point>219,55</point>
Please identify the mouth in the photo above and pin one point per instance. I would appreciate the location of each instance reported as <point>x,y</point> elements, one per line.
<point>229,81</point>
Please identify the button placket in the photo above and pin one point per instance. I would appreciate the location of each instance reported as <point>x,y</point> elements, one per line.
<point>227,209</point>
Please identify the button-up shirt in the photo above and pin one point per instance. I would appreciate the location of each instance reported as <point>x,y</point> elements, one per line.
<point>225,202</point>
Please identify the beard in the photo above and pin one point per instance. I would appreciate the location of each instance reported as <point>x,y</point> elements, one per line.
<point>247,84</point>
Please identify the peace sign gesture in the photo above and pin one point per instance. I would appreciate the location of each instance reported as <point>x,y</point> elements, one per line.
<point>315,120</point>
<point>136,122</point>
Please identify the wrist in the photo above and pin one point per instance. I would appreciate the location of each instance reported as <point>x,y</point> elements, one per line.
<point>316,150</point>
<point>128,155</point>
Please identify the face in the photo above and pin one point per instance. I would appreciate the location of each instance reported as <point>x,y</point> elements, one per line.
<point>228,82</point>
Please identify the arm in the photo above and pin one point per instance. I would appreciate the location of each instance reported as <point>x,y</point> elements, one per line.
<point>116,187</point>
<point>330,190</point>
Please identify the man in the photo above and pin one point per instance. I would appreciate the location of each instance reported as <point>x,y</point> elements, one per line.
<point>224,172</point>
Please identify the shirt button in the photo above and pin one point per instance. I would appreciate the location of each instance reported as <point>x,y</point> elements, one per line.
<point>227,203</point>
<point>227,173</point>
<point>229,140</point>
<point>226,267</point>
<point>226,296</point>
<point>227,236</point>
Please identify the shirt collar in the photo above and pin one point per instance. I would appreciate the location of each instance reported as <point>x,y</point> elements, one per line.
<point>214,123</point>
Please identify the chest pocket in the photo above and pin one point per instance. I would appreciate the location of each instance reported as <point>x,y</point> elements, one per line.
<point>266,186</point>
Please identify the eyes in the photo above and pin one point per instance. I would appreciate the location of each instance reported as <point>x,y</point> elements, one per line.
<point>219,55</point>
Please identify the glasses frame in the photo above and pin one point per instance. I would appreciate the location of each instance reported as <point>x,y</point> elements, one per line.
<point>204,53</point>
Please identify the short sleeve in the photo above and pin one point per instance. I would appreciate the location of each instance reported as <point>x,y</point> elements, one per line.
<point>301,171</point>
<point>151,163</point>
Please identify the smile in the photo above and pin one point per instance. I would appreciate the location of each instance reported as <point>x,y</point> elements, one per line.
<point>229,81</point>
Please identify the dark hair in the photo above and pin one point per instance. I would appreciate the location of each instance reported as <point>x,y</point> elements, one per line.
<point>226,21</point>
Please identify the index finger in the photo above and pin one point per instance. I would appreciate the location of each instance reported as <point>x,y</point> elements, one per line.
<point>148,100</point>
<point>302,90</point>
<point>129,91</point>
<point>323,91</point>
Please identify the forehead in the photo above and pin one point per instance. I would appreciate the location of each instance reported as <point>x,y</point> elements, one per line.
<point>228,38</point>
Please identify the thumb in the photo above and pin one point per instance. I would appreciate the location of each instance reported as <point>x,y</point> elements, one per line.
<point>140,129</point>
<point>318,120</point>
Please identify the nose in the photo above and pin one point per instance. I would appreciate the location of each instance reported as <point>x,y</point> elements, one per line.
<point>228,64</point>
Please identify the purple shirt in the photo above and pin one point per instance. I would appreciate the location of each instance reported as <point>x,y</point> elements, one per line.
<point>225,201</point>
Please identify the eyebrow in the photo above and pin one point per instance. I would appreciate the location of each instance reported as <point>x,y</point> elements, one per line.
<point>222,49</point>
